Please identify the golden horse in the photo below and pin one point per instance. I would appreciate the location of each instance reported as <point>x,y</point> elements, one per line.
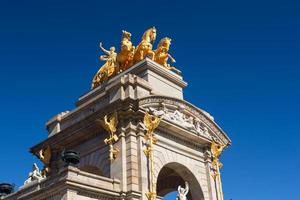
<point>145,47</point>
<point>162,56</point>
<point>125,56</point>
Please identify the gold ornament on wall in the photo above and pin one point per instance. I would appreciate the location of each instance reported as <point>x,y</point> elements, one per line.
<point>216,151</point>
<point>151,122</point>
<point>110,126</point>
<point>45,156</point>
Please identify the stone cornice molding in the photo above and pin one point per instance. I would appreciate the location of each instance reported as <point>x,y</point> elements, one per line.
<point>157,68</point>
<point>67,178</point>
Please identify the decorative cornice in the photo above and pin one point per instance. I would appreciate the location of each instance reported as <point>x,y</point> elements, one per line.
<point>155,67</point>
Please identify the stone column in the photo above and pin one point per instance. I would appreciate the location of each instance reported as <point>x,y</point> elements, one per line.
<point>142,161</point>
<point>210,180</point>
<point>118,166</point>
<point>132,167</point>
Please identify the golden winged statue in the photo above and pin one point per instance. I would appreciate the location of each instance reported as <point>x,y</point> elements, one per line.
<point>45,156</point>
<point>151,122</point>
<point>216,149</point>
<point>110,125</point>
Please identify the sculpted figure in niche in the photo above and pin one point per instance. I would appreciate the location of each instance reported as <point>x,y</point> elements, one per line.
<point>182,192</point>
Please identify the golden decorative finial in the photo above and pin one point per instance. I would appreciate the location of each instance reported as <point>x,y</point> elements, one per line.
<point>216,151</point>
<point>144,49</point>
<point>162,55</point>
<point>151,122</point>
<point>125,56</point>
<point>110,126</point>
<point>45,156</point>
<point>108,69</point>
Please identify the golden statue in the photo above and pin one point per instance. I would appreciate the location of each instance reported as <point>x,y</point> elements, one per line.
<point>145,47</point>
<point>151,122</point>
<point>129,55</point>
<point>125,56</point>
<point>108,69</point>
<point>162,55</point>
<point>216,151</point>
<point>110,126</point>
<point>45,156</point>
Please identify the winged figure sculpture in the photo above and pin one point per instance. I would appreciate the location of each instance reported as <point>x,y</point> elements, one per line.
<point>45,155</point>
<point>151,122</point>
<point>110,124</point>
<point>216,149</point>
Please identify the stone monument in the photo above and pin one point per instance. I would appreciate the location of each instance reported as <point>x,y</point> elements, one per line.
<point>138,139</point>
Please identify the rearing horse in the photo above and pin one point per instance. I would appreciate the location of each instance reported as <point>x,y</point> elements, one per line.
<point>125,56</point>
<point>145,47</point>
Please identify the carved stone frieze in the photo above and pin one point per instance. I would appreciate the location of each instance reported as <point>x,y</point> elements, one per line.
<point>184,115</point>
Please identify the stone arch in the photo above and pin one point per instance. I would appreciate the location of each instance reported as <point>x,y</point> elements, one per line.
<point>96,163</point>
<point>174,174</point>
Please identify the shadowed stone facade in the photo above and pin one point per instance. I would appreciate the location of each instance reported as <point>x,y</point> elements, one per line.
<point>181,154</point>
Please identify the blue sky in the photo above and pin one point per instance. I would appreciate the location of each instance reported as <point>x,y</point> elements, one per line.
<point>240,59</point>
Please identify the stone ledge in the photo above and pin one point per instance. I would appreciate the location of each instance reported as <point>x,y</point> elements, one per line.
<point>139,69</point>
<point>69,178</point>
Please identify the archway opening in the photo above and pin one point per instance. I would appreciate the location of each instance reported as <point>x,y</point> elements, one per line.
<point>170,196</point>
<point>174,174</point>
